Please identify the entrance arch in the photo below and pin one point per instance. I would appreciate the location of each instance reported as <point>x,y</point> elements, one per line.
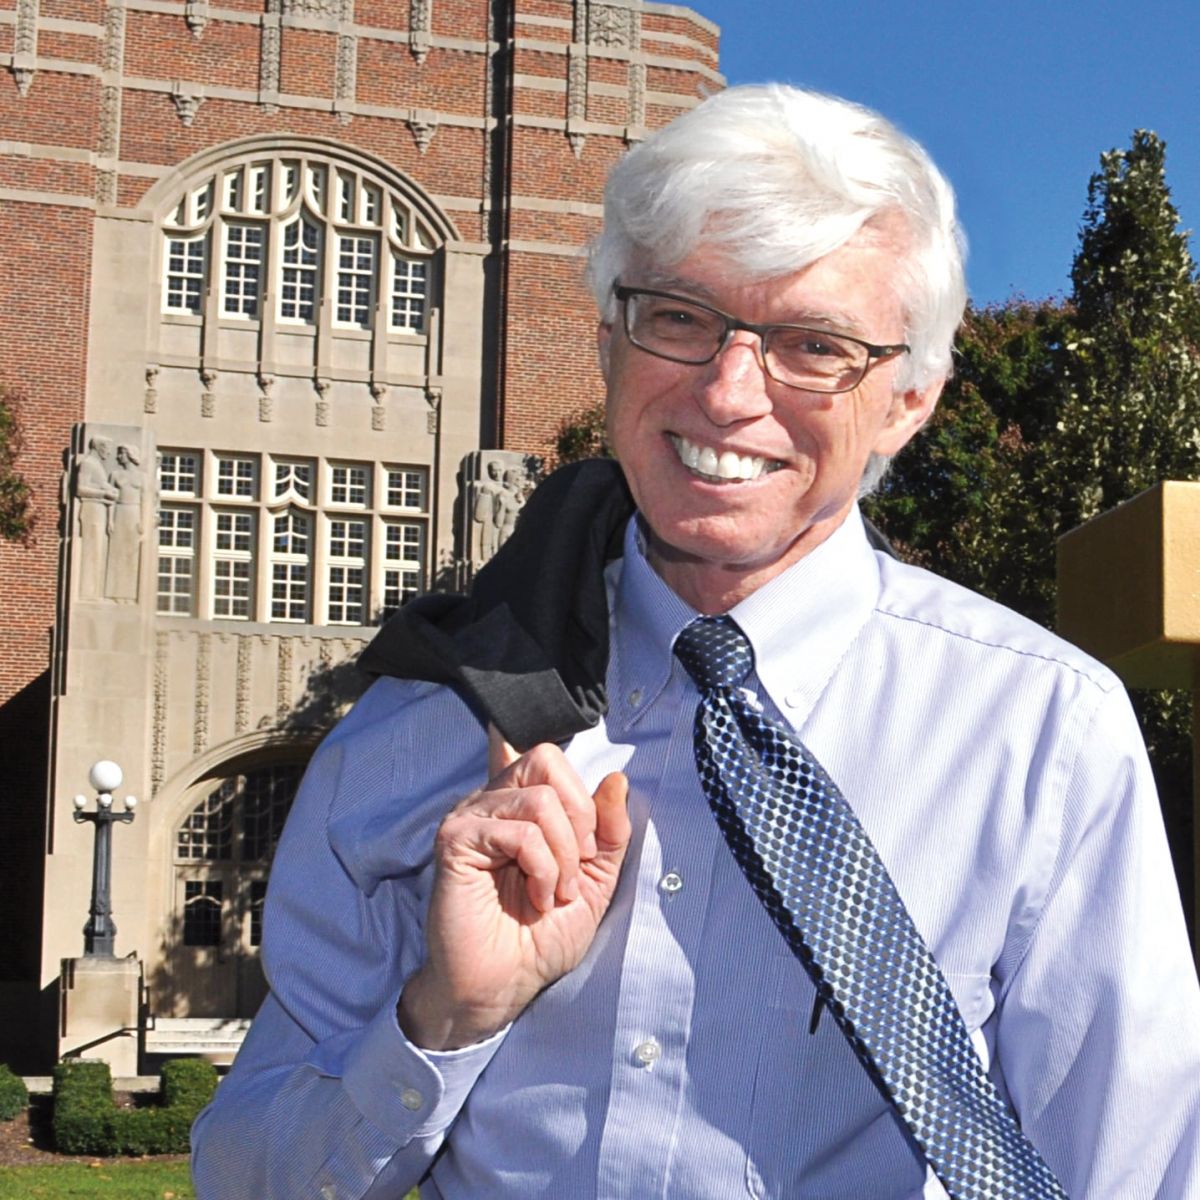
<point>220,852</point>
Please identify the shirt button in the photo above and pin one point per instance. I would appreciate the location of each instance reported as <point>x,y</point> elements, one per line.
<point>793,701</point>
<point>647,1053</point>
<point>411,1099</point>
<point>670,883</point>
<point>635,697</point>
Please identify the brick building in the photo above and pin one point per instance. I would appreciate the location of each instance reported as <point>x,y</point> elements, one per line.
<point>271,272</point>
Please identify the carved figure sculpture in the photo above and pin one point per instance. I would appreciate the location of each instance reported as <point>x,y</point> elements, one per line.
<point>510,499</point>
<point>125,540</point>
<point>485,511</point>
<point>95,496</point>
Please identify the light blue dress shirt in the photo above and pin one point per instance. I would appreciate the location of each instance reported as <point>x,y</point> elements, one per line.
<point>999,773</point>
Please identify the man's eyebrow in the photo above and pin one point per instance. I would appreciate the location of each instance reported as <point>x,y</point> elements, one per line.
<point>835,320</point>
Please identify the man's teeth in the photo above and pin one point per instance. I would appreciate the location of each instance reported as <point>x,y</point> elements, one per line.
<point>704,460</point>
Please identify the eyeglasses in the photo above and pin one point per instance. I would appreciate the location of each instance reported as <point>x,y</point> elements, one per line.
<point>685,331</point>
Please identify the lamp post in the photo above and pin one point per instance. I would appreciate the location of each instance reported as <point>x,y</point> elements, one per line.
<point>99,932</point>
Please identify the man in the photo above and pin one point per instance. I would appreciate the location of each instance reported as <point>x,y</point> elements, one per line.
<point>551,973</point>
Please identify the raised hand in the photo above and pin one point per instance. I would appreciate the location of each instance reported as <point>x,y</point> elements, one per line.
<point>525,872</point>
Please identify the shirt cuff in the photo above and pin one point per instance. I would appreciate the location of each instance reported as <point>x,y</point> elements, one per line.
<point>408,1092</point>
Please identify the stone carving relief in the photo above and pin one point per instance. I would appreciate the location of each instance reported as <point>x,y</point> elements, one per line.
<point>266,402</point>
<point>496,484</point>
<point>195,13</point>
<point>345,76</point>
<point>577,83</point>
<point>94,498</point>
<point>423,126</point>
<point>126,527</point>
<point>114,39</point>
<point>109,501</point>
<point>609,25</point>
<point>25,45</point>
<point>158,751</point>
<point>420,25</point>
<point>268,65</point>
<point>187,97</point>
<point>208,399</point>
<point>203,692</point>
<point>637,95</point>
<point>150,398</point>
<point>337,10</point>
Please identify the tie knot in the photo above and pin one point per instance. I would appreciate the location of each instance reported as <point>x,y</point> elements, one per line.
<point>714,652</point>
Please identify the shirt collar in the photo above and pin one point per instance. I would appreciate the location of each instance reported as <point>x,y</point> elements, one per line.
<point>800,624</point>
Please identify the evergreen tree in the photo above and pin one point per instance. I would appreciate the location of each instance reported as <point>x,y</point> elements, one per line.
<point>1130,415</point>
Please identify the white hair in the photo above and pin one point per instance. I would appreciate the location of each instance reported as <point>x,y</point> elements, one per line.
<point>775,178</point>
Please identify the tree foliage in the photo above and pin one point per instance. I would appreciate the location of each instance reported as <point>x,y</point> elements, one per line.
<point>16,520</point>
<point>1060,411</point>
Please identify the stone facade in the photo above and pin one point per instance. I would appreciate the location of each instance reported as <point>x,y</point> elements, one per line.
<point>272,272</point>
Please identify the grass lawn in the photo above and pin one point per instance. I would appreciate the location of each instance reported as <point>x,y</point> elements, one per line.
<point>105,1181</point>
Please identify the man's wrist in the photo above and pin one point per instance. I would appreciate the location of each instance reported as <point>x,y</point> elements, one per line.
<point>430,1022</point>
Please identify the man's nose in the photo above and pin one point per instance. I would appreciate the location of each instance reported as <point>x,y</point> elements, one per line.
<point>735,384</point>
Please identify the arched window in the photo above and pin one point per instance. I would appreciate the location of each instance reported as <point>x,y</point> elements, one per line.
<point>285,231</point>
<point>222,851</point>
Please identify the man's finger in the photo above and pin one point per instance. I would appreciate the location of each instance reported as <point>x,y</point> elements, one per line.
<point>500,753</point>
<point>613,827</point>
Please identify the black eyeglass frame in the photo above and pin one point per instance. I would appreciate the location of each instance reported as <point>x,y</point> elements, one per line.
<point>733,324</point>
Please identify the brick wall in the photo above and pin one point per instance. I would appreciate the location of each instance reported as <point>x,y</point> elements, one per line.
<point>530,102</point>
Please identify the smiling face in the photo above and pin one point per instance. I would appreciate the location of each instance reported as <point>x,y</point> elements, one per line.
<point>736,475</point>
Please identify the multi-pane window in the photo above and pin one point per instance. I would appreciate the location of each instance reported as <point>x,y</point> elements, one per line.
<point>347,571</point>
<point>276,219</point>
<point>202,903</point>
<point>301,256</point>
<point>406,488</point>
<point>258,897</point>
<point>290,566</point>
<point>207,832</point>
<point>410,293</point>
<point>248,537</point>
<point>233,565</point>
<point>236,477</point>
<point>292,481</point>
<point>348,485</point>
<point>243,270</point>
<point>224,849</point>
<point>185,274</point>
<point>356,277</point>
<point>176,559</point>
<point>266,798</point>
<point>404,562</point>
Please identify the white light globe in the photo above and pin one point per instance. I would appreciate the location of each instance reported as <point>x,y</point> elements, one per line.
<point>104,799</point>
<point>130,803</point>
<point>105,776</point>
<point>80,802</point>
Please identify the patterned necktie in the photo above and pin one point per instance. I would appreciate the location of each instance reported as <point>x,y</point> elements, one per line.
<point>811,863</point>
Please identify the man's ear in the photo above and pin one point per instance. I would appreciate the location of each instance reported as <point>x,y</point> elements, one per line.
<point>908,413</point>
<point>603,346</point>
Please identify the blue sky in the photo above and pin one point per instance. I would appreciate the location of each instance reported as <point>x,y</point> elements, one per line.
<point>1015,100</point>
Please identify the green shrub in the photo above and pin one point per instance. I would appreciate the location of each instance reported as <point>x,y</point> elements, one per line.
<point>86,1121</point>
<point>85,1116</point>
<point>14,1097</point>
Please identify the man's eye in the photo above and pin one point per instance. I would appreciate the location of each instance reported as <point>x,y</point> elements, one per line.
<point>674,316</point>
<point>803,343</point>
